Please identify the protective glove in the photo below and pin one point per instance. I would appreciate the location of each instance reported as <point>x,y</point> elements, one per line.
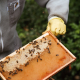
<point>56,26</point>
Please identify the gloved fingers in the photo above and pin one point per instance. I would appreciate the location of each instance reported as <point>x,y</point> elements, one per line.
<point>62,32</point>
<point>57,31</point>
<point>56,26</point>
<point>52,27</point>
<point>54,32</point>
<point>63,29</point>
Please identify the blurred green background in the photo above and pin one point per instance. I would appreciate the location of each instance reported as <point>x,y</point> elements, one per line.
<point>34,21</point>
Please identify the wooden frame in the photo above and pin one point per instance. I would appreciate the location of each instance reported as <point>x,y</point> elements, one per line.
<point>73,58</point>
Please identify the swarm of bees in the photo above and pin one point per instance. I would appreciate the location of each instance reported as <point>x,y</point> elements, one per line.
<point>35,45</point>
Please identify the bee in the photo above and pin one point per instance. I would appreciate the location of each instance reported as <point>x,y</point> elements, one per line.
<point>15,72</point>
<point>19,69</point>
<point>29,51</point>
<point>27,64</point>
<point>17,61</point>
<point>33,50</point>
<point>26,55</point>
<point>8,59</point>
<point>6,62</point>
<point>19,52</point>
<point>38,47</point>
<point>44,38</point>
<point>23,49</point>
<point>16,51</point>
<point>3,70</point>
<point>57,54</point>
<point>10,72</point>
<point>31,54</point>
<point>38,52</point>
<point>37,60</point>
<point>9,77</point>
<point>40,59</point>
<point>34,42</point>
<point>0,71</point>
<point>49,41</point>
<point>66,51</point>
<point>48,50</point>
<point>45,42</point>
<point>1,62</point>
<point>39,56</point>
<point>2,66</point>
<point>57,43</point>
<point>40,40</point>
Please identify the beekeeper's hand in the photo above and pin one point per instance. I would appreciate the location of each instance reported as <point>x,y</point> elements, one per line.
<point>56,26</point>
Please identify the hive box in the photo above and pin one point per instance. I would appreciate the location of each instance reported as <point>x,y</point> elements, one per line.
<point>38,60</point>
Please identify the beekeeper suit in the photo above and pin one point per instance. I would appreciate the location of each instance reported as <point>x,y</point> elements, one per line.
<point>10,12</point>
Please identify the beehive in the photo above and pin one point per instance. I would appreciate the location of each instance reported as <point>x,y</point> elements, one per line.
<point>38,60</point>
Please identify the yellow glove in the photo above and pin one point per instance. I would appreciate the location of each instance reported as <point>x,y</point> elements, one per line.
<point>56,26</point>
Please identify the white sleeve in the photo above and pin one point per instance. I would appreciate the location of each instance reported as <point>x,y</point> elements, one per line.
<point>59,8</point>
